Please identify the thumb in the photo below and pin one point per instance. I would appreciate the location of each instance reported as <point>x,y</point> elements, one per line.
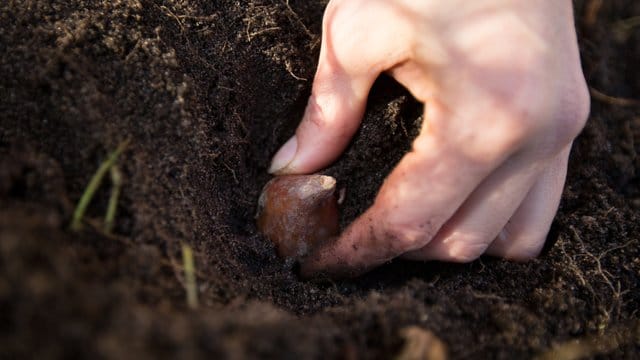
<point>332,116</point>
<point>338,98</point>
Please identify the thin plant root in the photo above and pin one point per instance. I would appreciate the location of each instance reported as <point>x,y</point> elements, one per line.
<point>592,12</point>
<point>612,100</point>
<point>622,29</point>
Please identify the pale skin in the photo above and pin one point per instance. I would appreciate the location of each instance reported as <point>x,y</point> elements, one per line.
<point>504,98</point>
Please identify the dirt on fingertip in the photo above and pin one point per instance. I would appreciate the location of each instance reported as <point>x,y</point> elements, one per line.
<point>206,92</point>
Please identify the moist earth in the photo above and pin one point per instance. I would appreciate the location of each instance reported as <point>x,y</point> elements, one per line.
<point>206,91</point>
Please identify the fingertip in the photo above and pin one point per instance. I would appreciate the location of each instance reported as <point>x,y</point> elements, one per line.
<point>323,262</point>
<point>323,132</point>
<point>361,247</point>
<point>284,156</point>
<point>317,268</point>
<point>331,119</point>
<point>336,258</point>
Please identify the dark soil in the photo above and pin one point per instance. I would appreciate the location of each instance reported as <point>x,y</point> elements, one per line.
<point>207,91</point>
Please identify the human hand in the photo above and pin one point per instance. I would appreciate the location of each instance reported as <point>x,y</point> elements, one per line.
<point>504,99</point>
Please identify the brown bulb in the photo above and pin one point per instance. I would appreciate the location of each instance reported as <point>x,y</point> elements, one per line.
<point>298,212</point>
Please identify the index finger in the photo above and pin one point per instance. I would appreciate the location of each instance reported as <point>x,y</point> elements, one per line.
<point>425,189</point>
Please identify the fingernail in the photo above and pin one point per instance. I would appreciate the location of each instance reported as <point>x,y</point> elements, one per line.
<point>284,156</point>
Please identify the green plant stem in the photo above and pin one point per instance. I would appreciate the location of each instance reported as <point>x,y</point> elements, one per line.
<point>116,184</point>
<point>94,184</point>
<point>189,276</point>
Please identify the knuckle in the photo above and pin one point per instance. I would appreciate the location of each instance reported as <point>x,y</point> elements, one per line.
<point>519,248</point>
<point>495,142</point>
<point>573,111</point>
<point>339,19</point>
<point>348,30</point>
<point>559,125</point>
<point>407,237</point>
<point>464,252</point>
<point>527,111</point>
<point>322,119</point>
<point>314,119</point>
<point>549,122</point>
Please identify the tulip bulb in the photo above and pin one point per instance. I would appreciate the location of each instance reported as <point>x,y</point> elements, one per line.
<point>298,212</point>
